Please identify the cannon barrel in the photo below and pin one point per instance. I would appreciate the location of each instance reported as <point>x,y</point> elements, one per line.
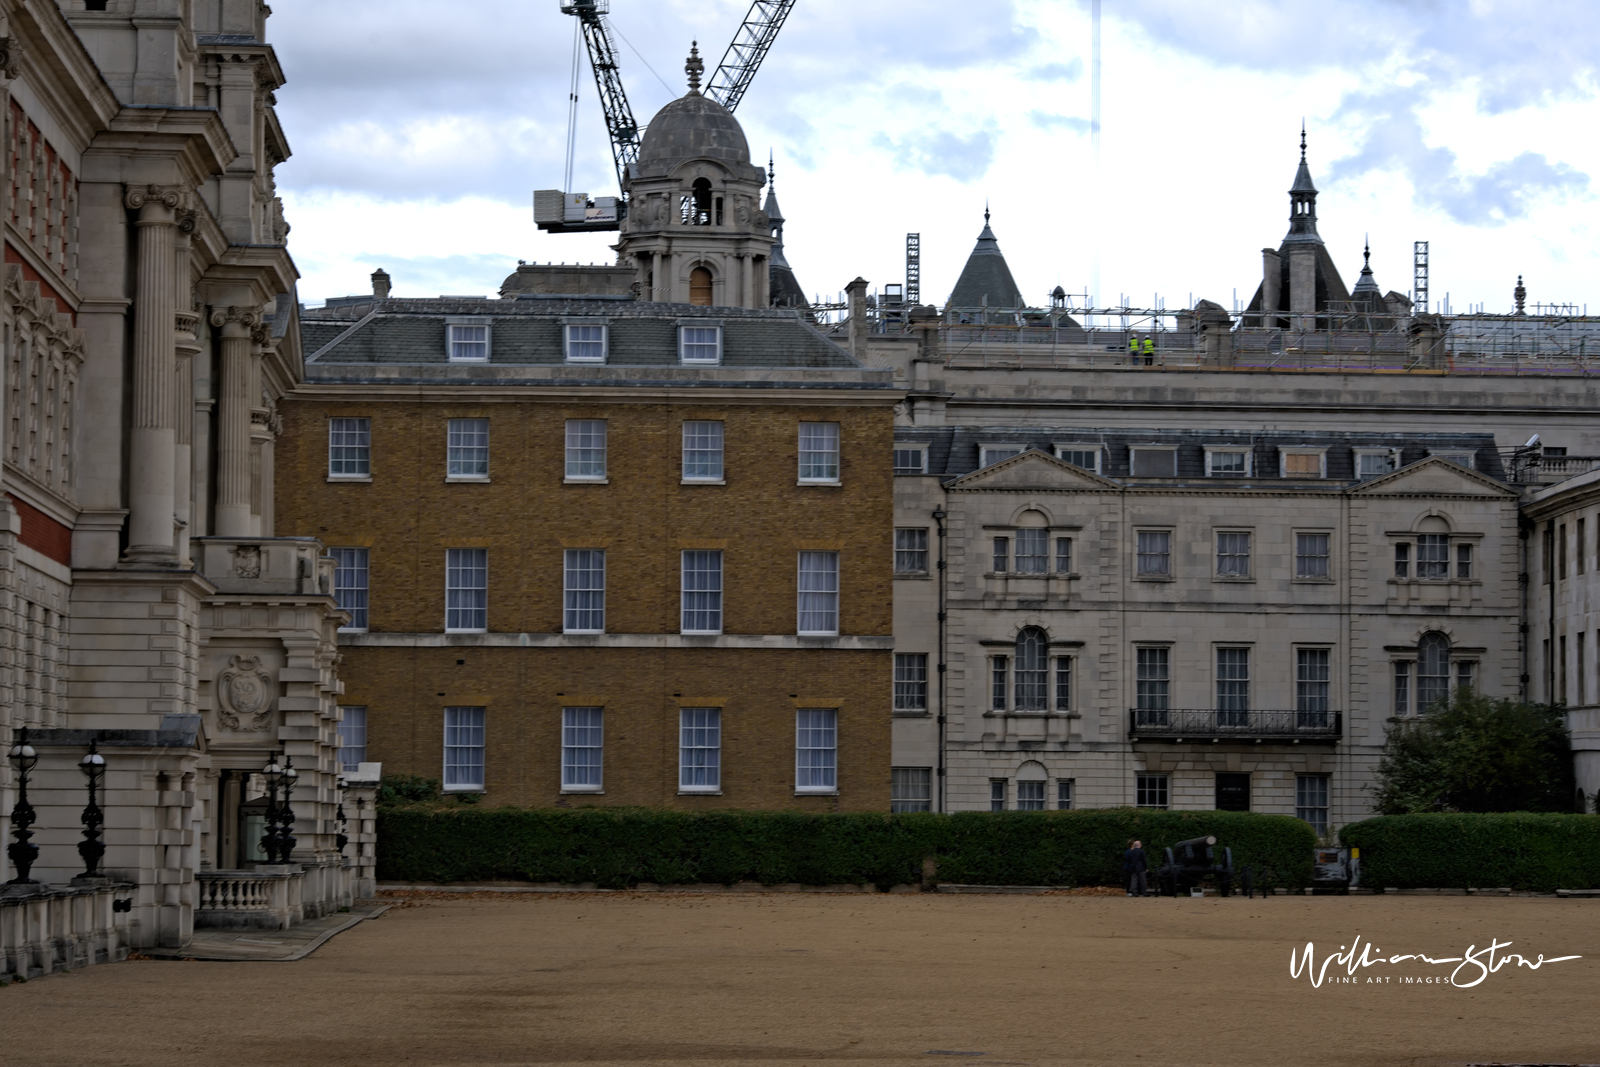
<point>1196,842</point>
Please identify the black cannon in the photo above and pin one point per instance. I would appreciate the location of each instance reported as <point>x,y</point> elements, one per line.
<point>1188,863</point>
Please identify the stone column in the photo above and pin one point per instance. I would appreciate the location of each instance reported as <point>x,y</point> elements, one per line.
<point>152,442</point>
<point>186,325</point>
<point>233,422</point>
<point>655,276</point>
<point>747,295</point>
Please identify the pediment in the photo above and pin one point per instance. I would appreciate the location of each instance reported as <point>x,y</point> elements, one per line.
<point>1434,477</point>
<point>1033,470</point>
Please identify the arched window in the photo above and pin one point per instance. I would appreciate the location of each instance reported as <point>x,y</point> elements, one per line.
<point>1433,670</point>
<point>1032,671</point>
<point>1031,779</point>
<point>702,203</point>
<point>700,287</point>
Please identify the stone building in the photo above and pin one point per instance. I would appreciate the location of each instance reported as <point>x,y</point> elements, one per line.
<point>1564,614</point>
<point>148,604</point>
<point>604,551</point>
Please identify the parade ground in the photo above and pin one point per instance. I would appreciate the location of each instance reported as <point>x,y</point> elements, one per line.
<point>888,980</point>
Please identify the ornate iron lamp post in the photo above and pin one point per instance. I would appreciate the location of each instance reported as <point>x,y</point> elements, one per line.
<point>22,851</point>
<point>91,848</point>
<point>273,774</point>
<point>286,838</point>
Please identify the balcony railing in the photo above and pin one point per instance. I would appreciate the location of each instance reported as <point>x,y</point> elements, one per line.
<point>1210,725</point>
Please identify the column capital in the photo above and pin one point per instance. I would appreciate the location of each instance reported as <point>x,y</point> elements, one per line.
<point>237,321</point>
<point>173,198</point>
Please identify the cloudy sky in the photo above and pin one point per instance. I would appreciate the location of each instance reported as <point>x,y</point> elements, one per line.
<point>419,139</point>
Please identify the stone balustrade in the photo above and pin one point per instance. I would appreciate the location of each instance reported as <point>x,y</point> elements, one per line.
<point>49,928</point>
<point>267,898</point>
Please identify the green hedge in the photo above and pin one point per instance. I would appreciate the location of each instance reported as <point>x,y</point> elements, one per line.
<point>1522,850</point>
<point>620,847</point>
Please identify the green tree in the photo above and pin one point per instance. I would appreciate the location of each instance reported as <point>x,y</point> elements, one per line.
<point>1475,754</point>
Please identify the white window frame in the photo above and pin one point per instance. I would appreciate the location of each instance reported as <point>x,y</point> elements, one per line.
<point>803,607</point>
<point>816,778</point>
<point>452,323</point>
<point>905,780</point>
<point>1285,452</point>
<point>455,565</point>
<point>720,477</point>
<point>1249,461</point>
<point>453,428</point>
<point>1038,537</point>
<point>1325,784</point>
<point>901,552</point>
<point>922,452</point>
<point>573,610</point>
<point>1032,785</point>
<point>1391,454</point>
<point>572,451</point>
<point>1154,576</point>
<point>910,671</point>
<point>363,427</point>
<point>812,478</point>
<point>1062,447</point>
<point>358,622</point>
<point>685,345</point>
<point>714,596</point>
<point>567,340</point>
<point>570,725</point>
<point>477,730</point>
<point>1133,459</point>
<point>352,728</point>
<point>1249,556</point>
<point>1464,457</point>
<point>700,750</point>
<point>986,447</point>
<point>1065,790</point>
<point>1295,536</point>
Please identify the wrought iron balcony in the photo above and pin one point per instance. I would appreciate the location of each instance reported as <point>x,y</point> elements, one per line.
<point>1208,725</point>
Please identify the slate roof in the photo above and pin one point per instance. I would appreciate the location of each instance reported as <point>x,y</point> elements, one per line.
<point>528,331</point>
<point>953,450</point>
<point>986,279</point>
<point>691,127</point>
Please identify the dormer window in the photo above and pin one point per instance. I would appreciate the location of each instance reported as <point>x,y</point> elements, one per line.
<point>1146,462</point>
<point>1461,457</point>
<point>1223,462</point>
<point>700,344</point>
<point>467,339</point>
<point>1376,462</point>
<point>586,342</point>
<point>989,455</point>
<point>1303,463</point>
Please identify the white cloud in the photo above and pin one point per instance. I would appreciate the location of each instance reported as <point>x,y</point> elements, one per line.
<point>1455,124</point>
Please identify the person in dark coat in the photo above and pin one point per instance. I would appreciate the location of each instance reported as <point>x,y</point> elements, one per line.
<point>1136,867</point>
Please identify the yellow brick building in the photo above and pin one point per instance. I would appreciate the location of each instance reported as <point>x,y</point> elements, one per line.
<point>603,551</point>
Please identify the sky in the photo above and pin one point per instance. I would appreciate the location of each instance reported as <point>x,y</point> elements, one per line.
<point>418,140</point>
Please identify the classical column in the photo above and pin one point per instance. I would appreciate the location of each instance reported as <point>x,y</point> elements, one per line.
<point>233,422</point>
<point>186,325</point>
<point>151,525</point>
<point>747,296</point>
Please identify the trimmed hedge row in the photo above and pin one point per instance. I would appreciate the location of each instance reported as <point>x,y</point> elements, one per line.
<point>1523,850</point>
<point>621,847</point>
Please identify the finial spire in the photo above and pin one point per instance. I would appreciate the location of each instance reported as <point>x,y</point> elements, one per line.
<point>1302,140</point>
<point>986,211</point>
<point>771,174</point>
<point>694,67</point>
<point>1366,252</point>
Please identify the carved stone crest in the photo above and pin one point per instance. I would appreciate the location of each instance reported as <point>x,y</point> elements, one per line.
<point>244,691</point>
<point>247,561</point>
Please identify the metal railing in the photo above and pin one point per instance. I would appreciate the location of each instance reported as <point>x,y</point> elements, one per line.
<point>1211,724</point>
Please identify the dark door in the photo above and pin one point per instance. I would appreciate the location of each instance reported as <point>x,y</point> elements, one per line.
<point>1233,792</point>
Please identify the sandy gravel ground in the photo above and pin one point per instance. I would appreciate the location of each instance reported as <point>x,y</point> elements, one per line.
<point>811,979</point>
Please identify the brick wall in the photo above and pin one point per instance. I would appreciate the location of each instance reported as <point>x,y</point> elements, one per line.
<point>525,516</point>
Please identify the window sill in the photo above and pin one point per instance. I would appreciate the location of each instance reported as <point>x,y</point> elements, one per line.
<point>352,629</point>
<point>484,630</point>
<point>576,791</point>
<point>916,576</point>
<point>474,359</point>
<point>699,362</point>
<point>1154,578</point>
<point>699,792</point>
<point>585,362</point>
<point>482,479</point>
<point>699,633</point>
<point>818,637</point>
<point>1235,579</point>
<point>703,481</point>
<point>580,633</point>
<point>816,792</point>
<point>1312,581</point>
<point>819,484</point>
<point>586,481</point>
<point>480,790</point>
<point>911,713</point>
<point>359,479</point>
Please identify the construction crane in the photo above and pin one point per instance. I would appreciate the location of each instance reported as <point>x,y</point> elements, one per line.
<point>749,47</point>
<point>566,212</point>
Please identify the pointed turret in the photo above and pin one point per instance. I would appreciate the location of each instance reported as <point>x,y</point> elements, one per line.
<point>1298,279</point>
<point>1303,201</point>
<point>785,288</point>
<point>986,280</point>
<point>1366,285</point>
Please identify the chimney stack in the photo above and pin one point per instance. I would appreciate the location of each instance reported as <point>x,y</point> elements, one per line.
<point>380,284</point>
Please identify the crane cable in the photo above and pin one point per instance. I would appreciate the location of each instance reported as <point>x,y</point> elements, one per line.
<point>572,108</point>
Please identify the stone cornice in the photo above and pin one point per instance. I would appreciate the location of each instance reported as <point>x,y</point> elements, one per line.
<point>67,77</point>
<point>234,47</point>
<point>769,642</point>
<point>160,145</point>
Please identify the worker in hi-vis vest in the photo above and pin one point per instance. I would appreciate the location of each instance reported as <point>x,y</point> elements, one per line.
<point>1149,350</point>
<point>1133,349</point>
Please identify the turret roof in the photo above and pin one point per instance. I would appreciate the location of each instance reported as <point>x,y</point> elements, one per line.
<point>986,279</point>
